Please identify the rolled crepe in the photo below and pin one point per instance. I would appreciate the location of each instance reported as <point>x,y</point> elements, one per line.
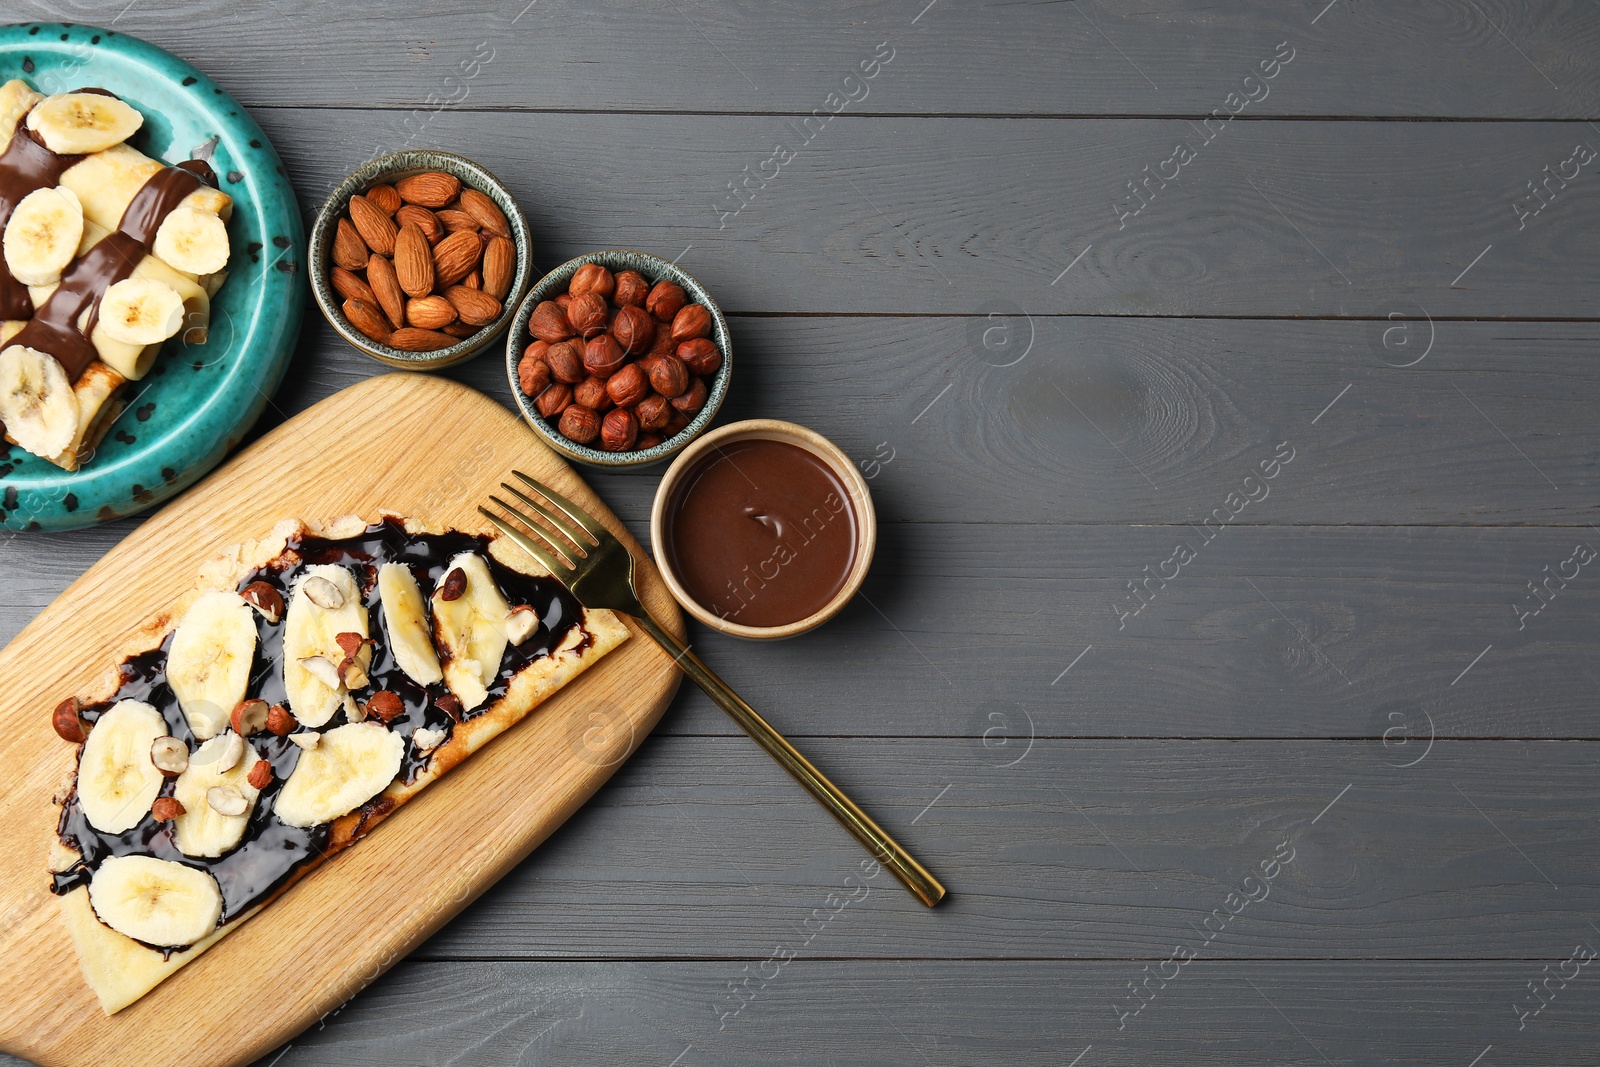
<point>17,98</point>
<point>107,181</point>
<point>99,404</point>
<point>133,361</point>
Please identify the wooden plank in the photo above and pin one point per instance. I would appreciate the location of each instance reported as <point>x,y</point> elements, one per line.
<point>1032,1014</point>
<point>1071,432</point>
<point>439,853</point>
<point>962,619</point>
<point>1498,60</point>
<point>1079,850</point>
<point>951,215</point>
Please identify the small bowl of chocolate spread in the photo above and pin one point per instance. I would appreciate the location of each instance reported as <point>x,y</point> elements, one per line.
<point>763,529</point>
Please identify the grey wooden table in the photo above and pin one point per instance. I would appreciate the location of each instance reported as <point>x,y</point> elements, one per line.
<point>1226,378</point>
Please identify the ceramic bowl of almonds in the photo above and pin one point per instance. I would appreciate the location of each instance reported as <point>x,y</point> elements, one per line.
<point>619,359</point>
<point>419,259</point>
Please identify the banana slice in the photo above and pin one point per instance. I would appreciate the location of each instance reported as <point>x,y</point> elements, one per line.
<point>37,403</point>
<point>77,124</point>
<point>310,630</point>
<point>43,235</point>
<point>159,902</point>
<point>116,780</point>
<point>471,630</point>
<point>350,765</point>
<point>208,665</point>
<point>192,240</point>
<point>202,830</point>
<point>409,634</point>
<point>141,311</point>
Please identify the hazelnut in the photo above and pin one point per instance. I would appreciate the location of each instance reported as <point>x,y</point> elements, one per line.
<point>265,599</point>
<point>701,356</point>
<point>602,356</point>
<point>632,289</point>
<point>386,704</point>
<point>564,299</point>
<point>619,430</point>
<point>663,345</point>
<point>588,314</point>
<point>579,424</point>
<point>165,809</point>
<point>533,373</point>
<point>260,775</point>
<point>668,376</point>
<point>653,412</point>
<point>591,393</point>
<point>450,704</point>
<point>592,278</point>
<point>69,723</point>
<point>634,329</point>
<point>692,399</point>
<point>549,322</point>
<point>170,756</point>
<point>665,300</point>
<point>648,440</point>
<point>677,425</point>
<point>693,321</point>
<point>628,386</point>
<point>566,362</point>
<point>249,717</point>
<point>280,721</point>
<point>554,400</point>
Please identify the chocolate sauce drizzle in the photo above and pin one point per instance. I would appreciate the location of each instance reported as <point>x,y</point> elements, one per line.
<point>27,165</point>
<point>272,851</point>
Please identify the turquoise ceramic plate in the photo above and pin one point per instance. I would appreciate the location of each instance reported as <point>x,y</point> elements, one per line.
<point>199,400</point>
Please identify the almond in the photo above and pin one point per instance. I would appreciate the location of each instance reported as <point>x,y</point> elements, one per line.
<point>430,189</point>
<point>376,228</point>
<point>368,319</point>
<point>476,307</point>
<point>499,266</point>
<point>384,198</point>
<point>350,286</point>
<point>460,329</point>
<point>413,261</point>
<point>349,250</point>
<point>473,280</point>
<point>414,339</point>
<point>486,211</point>
<point>455,219</point>
<point>430,312</point>
<point>422,219</point>
<point>386,287</point>
<point>455,257</point>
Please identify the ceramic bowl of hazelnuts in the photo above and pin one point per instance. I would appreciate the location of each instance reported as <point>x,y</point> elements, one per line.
<point>619,359</point>
<point>419,259</point>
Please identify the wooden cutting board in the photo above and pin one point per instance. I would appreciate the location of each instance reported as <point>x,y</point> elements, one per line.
<point>419,446</point>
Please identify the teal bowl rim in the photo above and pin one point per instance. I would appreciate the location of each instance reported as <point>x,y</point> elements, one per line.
<point>657,268</point>
<point>399,165</point>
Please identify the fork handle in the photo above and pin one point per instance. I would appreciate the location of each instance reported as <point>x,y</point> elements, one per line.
<point>913,875</point>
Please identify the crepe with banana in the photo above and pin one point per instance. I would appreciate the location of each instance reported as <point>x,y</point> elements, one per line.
<point>107,254</point>
<point>315,681</point>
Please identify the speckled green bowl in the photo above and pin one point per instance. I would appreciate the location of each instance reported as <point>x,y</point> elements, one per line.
<point>653,268</point>
<point>390,169</point>
<point>199,400</point>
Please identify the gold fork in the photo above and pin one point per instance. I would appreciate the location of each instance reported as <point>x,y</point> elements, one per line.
<point>598,570</point>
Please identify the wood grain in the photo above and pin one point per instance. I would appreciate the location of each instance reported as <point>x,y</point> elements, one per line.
<point>369,907</point>
<point>1430,60</point>
<point>1031,1013</point>
<point>1078,850</point>
<point>876,215</point>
